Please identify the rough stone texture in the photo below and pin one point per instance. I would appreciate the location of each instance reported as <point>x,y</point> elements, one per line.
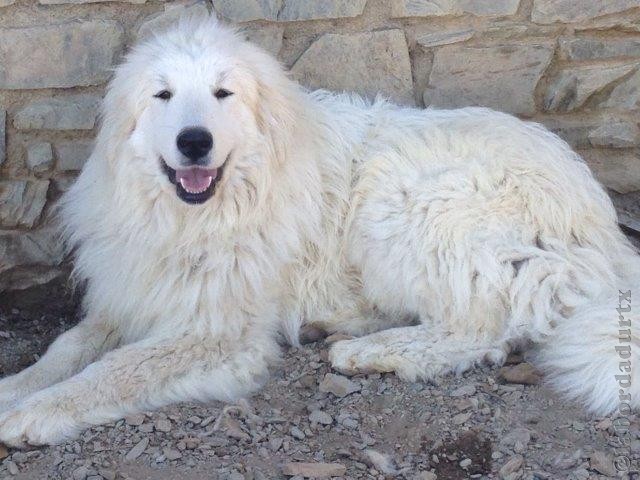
<point>161,20</point>
<point>76,53</point>
<point>616,135</point>
<point>39,157</point>
<point>574,131</point>
<point>573,86</point>
<point>619,172</point>
<point>29,258</point>
<point>428,8</point>
<point>446,37</point>
<point>502,77</point>
<point>370,63</point>
<point>580,49</point>
<point>571,11</point>
<point>3,136</point>
<point>61,2</point>
<point>314,470</point>
<point>287,10</point>
<point>626,95</point>
<point>76,112</point>
<point>581,80</point>
<point>306,10</point>
<point>268,37</point>
<point>247,10</point>
<point>21,202</point>
<point>72,155</point>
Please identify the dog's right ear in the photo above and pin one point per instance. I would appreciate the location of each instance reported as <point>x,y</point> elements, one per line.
<point>121,108</point>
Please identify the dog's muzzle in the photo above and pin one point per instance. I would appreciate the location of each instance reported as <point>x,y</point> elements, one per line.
<point>194,185</point>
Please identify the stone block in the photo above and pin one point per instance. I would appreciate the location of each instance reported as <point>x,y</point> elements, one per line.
<point>72,155</point>
<point>572,11</point>
<point>69,54</point>
<point>503,77</point>
<point>573,86</point>
<point>75,112</point>
<point>369,63</point>
<point>22,202</point>
<point>436,8</point>
<point>39,157</point>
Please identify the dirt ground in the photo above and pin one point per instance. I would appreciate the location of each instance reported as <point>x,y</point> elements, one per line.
<point>369,426</point>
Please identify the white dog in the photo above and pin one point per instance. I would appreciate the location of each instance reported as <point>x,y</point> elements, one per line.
<point>223,204</point>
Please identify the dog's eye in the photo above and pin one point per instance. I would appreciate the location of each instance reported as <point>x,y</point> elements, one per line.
<point>222,93</point>
<point>163,94</point>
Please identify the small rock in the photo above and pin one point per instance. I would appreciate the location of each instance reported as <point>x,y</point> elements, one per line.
<point>380,461</point>
<point>461,418</point>
<point>13,468</point>
<point>313,470</point>
<point>580,474</point>
<point>339,385</point>
<point>3,452</point>
<point>19,457</point>
<point>135,420</point>
<point>172,454</point>
<point>163,425</point>
<point>602,463</point>
<point>107,474</point>
<point>145,428</point>
<point>275,444</point>
<point>426,476</point>
<point>207,421</point>
<point>233,429</point>
<point>466,463</point>
<point>523,373</point>
<point>137,450</point>
<point>513,465</point>
<point>80,473</point>
<point>517,439</point>
<point>297,433</point>
<point>466,390</point>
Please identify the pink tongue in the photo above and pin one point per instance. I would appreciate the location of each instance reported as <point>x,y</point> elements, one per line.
<point>195,179</point>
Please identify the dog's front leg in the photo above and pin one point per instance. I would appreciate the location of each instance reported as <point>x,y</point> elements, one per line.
<point>70,353</point>
<point>140,376</point>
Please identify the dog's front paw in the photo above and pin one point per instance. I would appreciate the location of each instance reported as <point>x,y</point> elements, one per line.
<point>351,357</point>
<point>37,421</point>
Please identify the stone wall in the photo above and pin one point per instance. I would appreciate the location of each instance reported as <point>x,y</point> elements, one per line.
<point>573,65</point>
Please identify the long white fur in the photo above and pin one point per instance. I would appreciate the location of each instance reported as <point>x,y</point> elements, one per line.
<point>351,215</point>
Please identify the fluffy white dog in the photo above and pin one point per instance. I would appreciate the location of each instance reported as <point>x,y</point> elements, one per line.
<point>223,204</point>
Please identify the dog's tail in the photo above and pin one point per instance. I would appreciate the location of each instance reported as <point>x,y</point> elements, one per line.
<point>593,355</point>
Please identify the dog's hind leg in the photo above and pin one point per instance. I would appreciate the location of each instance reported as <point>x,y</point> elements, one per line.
<point>417,352</point>
<point>140,376</point>
<point>67,355</point>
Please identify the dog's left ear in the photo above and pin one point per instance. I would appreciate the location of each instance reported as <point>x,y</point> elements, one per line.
<point>121,108</point>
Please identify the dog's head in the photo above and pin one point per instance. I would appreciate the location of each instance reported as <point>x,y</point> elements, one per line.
<point>199,110</point>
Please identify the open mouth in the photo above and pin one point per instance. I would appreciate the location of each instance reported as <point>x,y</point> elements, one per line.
<point>194,184</point>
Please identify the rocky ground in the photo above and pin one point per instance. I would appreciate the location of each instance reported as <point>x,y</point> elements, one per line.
<point>310,422</point>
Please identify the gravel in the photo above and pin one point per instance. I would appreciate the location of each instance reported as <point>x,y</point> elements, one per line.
<point>309,421</point>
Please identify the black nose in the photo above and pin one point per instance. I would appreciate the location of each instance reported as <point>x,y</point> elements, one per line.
<point>194,143</point>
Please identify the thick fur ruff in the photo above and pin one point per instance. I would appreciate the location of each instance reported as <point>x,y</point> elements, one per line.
<point>441,239</point>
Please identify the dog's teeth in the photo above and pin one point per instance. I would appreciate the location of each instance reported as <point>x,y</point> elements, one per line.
<point>209,180</point>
